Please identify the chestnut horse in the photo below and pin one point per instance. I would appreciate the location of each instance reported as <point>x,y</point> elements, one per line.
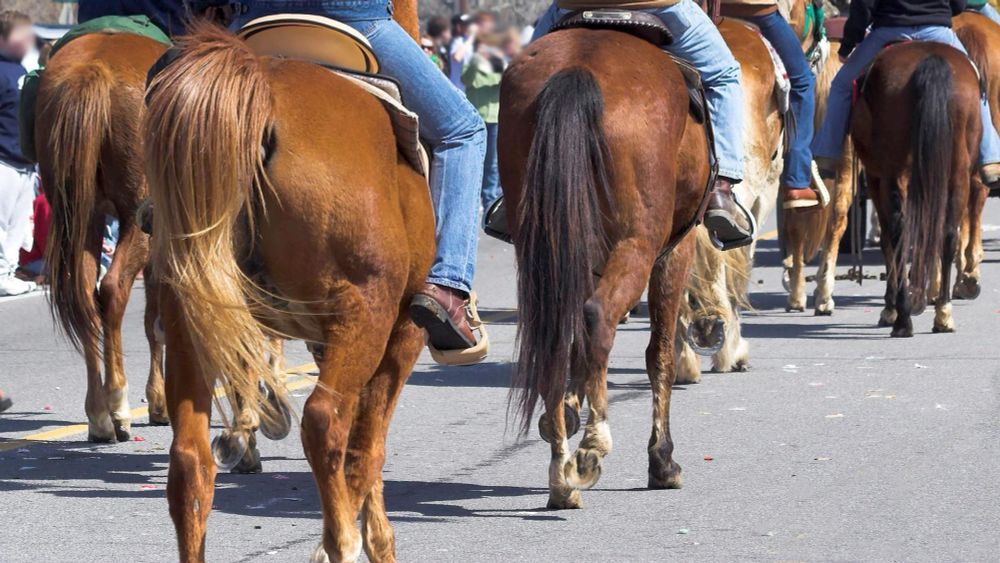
<point>90,156</point>
<point>981,38</point>
<point>916,128</point>
<point>815,230</point>
<point>281,170</point>
<point>713,321</point>
<point>604,169</point>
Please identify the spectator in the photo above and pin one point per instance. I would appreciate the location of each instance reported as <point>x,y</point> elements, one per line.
<point>17,174</point>
<point>5,402</point>
<point>439,31</point>
<point>481,78</point>
<point>427,44</point>
<point>33,267</point>
<point>462,47</point>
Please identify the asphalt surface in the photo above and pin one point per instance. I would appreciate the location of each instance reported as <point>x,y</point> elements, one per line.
<point>840,444</point>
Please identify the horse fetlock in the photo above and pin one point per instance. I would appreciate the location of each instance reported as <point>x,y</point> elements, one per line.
<point>664,474</point>
<point>348,552</point>
<point>887,317</point>
<point>943,320</point>
<point>824,303</point>
<point>100,428</point>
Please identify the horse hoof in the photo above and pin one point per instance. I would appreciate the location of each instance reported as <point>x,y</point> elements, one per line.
<point>795,308</point>
<point>228,449</point>
<point>967,289</point>
<point>942,329</point>
<point>572,424</point>
<point>95,439</point>
<point>565,502</point>
<point>158,419</point>
<point>823,312</point>
<point>278,426</point>
<point>905,332</point>
<point>671,479</point>
<point>250,464</point>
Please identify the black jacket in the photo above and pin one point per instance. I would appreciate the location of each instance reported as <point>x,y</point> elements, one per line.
<point>895,13</point>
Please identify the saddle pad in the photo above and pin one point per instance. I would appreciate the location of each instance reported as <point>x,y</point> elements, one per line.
<point>310,38</point>
<point>405,123</point>
<point>783,85</point>
<point>640,24</point>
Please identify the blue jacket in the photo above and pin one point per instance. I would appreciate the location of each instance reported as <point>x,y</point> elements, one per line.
<point>11,76</point>
<point>169,15</point>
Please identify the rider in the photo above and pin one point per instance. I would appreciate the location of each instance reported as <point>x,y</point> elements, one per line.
<point>895,20</point>
<point>984,8</point>
<point>698,40</point>
<point>797,175</point>
<point>457,136</point>
<point>168,15</point>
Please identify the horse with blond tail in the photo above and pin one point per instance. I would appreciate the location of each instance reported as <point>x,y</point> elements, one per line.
<point>90,157</point>
<point>283,206</point>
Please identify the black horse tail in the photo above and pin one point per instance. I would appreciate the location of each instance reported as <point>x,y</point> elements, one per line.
<point>561,236</point>
<point>927,197</point>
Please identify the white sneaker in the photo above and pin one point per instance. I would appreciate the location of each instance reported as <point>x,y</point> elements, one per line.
<point>10,285</point>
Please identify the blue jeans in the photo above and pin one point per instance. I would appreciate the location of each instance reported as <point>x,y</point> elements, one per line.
<point>798,159</point>
<point>990,12</point>
<point>491,171</point>
<point>448,122</point>
<point>696,39</point>
<point>829,140</point>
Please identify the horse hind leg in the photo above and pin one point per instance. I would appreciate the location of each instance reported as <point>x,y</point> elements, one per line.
<point>666,288</point>
<point>100,428</point>
<point>155,394</point>
<point>970,252</point>
<point>128,259</point>
<point>843,196</point>
<point>958,199</point>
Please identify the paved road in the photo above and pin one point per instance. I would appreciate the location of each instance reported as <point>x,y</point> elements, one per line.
<point>839,445</point>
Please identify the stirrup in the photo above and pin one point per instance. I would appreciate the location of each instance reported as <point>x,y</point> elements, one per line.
<point>495,222</point>
<point>819,185</point>
<point>468,356</point>
<point>738,243</point>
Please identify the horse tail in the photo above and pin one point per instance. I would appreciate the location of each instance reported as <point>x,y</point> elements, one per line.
<point>561,236</point>
<point>926,201</point>
<point>207,117</point>
<point>80,114</point>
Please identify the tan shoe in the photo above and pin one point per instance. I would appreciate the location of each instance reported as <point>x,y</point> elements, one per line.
<point>800,198</point>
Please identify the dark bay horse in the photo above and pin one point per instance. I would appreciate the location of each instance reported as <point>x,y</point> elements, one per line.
<point>916,128</point>
<point>283,171</point>
<point>90,156</point>
<point>604,170</point>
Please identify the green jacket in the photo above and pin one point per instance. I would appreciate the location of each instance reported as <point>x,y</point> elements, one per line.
<point>482,86</point>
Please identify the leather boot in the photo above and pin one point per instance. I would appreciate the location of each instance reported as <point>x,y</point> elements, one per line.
<point>725,220</point>
<point>800,198</point>
<point>442,312</point>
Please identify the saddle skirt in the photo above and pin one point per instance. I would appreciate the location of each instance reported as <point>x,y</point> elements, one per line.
<point>347,53</point>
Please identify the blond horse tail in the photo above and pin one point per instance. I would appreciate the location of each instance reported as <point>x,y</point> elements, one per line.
<point>208,113</point>
<point>80,115</point>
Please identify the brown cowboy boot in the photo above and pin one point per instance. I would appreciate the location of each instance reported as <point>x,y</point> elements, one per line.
<point>442,312</point>
<point>725,220</point>
<point>990,175</point>
<point>799,198</point>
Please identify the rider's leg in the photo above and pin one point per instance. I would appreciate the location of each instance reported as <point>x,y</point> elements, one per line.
<point>989,145</point>
<point>797,175</point>
<point>457,135</point>
<point>829,140</point>
<point>548,19</point>
<point>698,40</point>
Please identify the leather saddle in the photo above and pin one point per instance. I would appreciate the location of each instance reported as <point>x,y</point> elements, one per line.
<point>316,39</point>
<point>649,28</point>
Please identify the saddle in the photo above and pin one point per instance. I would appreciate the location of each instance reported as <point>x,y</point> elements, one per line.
<point>344,51</point>
<point>649,28</point>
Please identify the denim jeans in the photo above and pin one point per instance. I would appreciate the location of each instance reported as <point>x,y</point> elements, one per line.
<point>491,171</point>
<point>696,39</point>
<point>798,160</point>
<point>448,122</point>
<point>990,12</point>
<point>829,140</point>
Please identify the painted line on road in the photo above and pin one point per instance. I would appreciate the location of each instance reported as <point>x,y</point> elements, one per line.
<point>301,372</point>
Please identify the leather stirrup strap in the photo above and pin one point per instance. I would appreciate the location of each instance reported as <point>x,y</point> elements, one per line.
<point>714,9</point>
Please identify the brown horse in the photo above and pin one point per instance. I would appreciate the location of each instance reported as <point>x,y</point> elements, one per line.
<point>90,156</point>
<point>713,321</point>
<point>916,128</point>
<point>598,201</point>
<point>981,38</point>
<point>283,171</point>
